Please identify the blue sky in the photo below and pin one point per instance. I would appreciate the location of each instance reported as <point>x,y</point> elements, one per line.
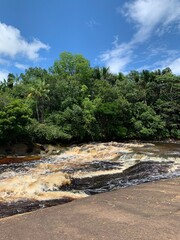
<point>123,35</point>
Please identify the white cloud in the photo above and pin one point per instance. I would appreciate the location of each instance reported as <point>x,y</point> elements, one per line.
<point>162,51</point>
<point>21,66</point>
<point>118,57</point>
<point>151,14</point>
<point>167,58</point>
<point>149,17</point>
<point>172,63</point>
<point>13,44</point>
<point>3,75</point>
<point>92,23</point>
<point>175,66</point>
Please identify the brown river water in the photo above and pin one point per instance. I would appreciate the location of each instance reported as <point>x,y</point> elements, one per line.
<point>79,171</point>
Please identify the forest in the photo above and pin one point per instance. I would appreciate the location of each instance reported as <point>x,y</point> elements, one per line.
<point>74,102</point>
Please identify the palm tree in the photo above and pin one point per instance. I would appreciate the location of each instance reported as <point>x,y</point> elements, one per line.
<point>39,91</point>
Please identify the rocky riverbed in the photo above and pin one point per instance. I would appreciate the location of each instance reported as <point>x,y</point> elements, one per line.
<point>79,171</point>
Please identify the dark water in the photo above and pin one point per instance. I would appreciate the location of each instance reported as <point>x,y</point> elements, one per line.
<point>160,149</point>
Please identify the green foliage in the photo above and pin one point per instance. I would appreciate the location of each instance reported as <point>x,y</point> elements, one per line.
<point>14,118</point>
<point>39,92</point>
<point>146,123</point>
<point>90,125</point>
<point>42,132</point>
<point>72,65</point>
<point>74,102</point>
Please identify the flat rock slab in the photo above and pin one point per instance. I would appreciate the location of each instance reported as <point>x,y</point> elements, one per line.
<point>149,212</point>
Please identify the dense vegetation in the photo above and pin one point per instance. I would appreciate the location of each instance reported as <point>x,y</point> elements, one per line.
<point>75,102</point>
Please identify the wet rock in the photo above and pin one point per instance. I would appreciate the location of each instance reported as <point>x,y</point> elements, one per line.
<point>142,169</point>
<point>140,172</point>
<point>95,166</point>
<point>19,149</point>
<point>18,159</point>
<point>13,208</point>
<point>93,182</point>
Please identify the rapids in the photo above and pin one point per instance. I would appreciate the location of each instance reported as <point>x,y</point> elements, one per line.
<point>79,171</point>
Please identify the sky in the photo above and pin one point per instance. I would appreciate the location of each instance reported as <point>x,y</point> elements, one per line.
<point>122,35</point>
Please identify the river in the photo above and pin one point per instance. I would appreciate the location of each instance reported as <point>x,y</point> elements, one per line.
<point>79,171</point>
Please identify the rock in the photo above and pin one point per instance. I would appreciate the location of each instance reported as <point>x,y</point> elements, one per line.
<point>13,208</point>
<point>18,159</point>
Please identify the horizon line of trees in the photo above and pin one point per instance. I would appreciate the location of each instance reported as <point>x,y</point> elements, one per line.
<point>72,101</point>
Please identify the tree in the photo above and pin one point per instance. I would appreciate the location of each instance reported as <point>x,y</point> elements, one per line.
<point>75,102</point>
<point>103,73</point>
<point>14,118</point>
<point>10,80</point>
<point>72,65</point>
<point>39,92</point>
<point>146,123</point>
<point>90,125</point>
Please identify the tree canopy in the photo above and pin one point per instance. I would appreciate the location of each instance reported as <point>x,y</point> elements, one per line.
<point>73,101</point>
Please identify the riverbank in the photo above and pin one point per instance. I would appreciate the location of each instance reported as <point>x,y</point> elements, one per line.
<point>149,211</point>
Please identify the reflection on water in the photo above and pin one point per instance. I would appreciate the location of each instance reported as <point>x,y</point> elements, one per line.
<point>83,170</point>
